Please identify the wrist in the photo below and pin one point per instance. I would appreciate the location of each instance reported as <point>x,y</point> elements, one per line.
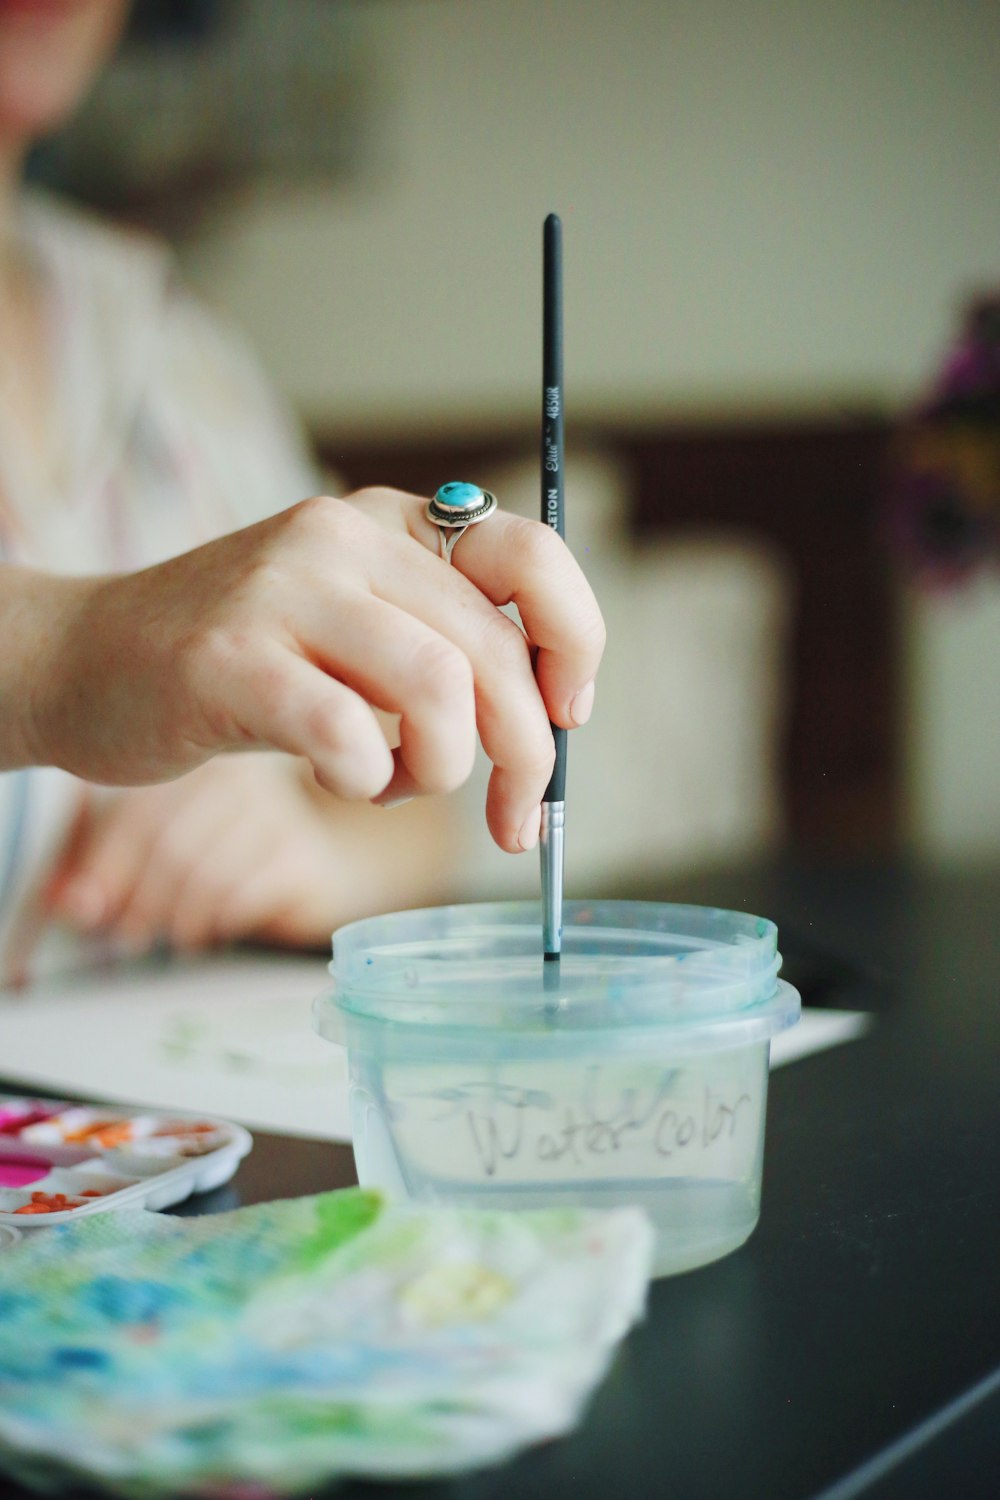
<point>35,609</point>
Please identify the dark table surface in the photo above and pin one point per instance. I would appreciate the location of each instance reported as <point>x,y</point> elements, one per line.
<point>852,1346</point>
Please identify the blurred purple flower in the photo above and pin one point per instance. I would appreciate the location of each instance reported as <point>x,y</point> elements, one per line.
<point>945,492</point>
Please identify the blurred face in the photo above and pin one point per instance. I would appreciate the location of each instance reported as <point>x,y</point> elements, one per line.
<point>50,51</point>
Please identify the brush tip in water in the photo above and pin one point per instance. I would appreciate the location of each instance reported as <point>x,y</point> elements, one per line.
<point>550,973</point>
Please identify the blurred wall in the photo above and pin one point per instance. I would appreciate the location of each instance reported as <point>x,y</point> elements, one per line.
<point>768,203</point>
<point>764,200</point>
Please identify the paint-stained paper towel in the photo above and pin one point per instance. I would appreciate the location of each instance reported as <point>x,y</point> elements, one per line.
<point>286,1345</point>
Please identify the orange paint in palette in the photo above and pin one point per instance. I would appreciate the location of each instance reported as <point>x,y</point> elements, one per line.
<point>49,1203</point>
<point>102,1133</point>
<point>62,1158</point>
<point>188,1137</point>
<point>57,1203</point>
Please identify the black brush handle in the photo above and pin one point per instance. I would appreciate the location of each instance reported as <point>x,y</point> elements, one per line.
<point>553,508</point>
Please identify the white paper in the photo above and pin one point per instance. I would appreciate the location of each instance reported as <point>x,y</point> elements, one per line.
<point>230,1036</point>
<point>817,1030</point>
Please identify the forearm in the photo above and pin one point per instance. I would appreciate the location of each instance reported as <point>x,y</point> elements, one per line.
<point>93,674</point>
<point>33,611</point>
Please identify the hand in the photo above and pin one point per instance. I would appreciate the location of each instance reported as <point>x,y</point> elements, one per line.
<point>287,634</point>
<point>240,848</point>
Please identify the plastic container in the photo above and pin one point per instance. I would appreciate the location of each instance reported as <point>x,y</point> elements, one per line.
<point>634,1072</point>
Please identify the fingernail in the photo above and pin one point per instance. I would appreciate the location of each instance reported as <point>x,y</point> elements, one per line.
<point>583,704</point>
<point>528,837</point>
<point>394,802</point>
<point>83,903</point>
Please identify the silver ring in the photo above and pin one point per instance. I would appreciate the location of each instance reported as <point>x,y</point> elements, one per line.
<point>455,508</point>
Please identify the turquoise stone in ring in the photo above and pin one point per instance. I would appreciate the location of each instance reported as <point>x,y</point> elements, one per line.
<point>455,507</point>
<point>457,494</point>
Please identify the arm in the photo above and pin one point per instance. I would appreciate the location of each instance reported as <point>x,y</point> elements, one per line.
<point>32,608</point>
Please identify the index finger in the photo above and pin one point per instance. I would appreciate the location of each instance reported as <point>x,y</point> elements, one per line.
<point>516,561</point>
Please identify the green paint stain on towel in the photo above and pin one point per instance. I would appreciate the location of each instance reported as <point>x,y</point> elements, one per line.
<point>339,1217</point>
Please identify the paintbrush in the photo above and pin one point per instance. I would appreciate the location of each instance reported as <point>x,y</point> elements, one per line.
<point>554,800</point>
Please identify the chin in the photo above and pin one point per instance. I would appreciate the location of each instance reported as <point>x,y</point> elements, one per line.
<point>50,52</point>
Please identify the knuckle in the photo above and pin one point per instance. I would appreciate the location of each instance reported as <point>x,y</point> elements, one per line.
<point>205,664</point>
<point>323,519</point>
<point>452,766</point>
<point>206,655</point>
<point>546,760</point>
<point>371,494</point>
<point>343,725</point>
<point>507,646</point>
<point>351,758</point>
<point>310,513</point>
<point>201,652</point>
<point>451,773</point>
<point>538,760</point>
<point>328,724</point>
<point>440,669</point>
<point>531,760</point>
<point>535,545</point>
<point>271,690</point>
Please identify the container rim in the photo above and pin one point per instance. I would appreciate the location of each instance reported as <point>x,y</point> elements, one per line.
<point>626,964</point>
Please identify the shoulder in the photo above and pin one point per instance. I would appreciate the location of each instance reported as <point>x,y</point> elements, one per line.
<point>163,355</point>
<point>92,263</point>
<point>123,287</point>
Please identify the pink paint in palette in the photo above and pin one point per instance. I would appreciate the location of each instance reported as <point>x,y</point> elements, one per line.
<point>17,1114</point>
<point>20,1171</point>
<point>58,1158</point>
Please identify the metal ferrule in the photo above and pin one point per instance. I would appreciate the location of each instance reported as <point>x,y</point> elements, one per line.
<point>550,845</point>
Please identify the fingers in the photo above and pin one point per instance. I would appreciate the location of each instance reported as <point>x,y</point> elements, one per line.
<point>105,858</point>
<point>509,711</point>
<point>191,831</point>
<point>259,904</point>
<point>513,560</point>
<point>137,854</point>
<point>287,702</point>
<point>196,919</point>
<point>165,861</point>
<point>63,889</point>
<point>397,662</point>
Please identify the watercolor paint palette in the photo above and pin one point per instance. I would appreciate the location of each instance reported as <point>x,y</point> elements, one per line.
<point>59,1159</point>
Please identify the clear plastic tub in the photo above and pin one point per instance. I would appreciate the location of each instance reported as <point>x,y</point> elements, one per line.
<point>635,1071</point>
